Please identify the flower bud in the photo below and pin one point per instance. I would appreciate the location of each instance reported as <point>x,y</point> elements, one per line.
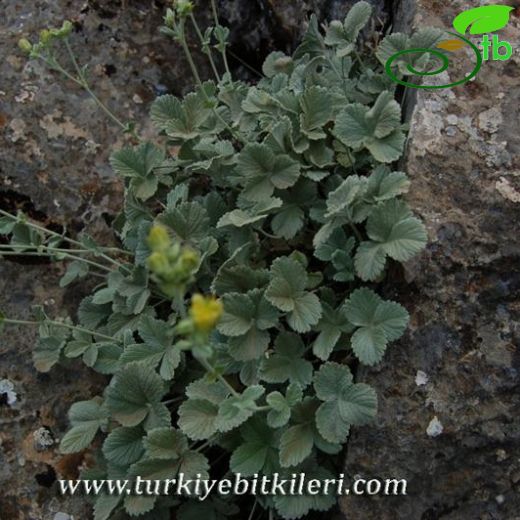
<point>184,7</point>
<point>189,260</point>
<point>158,263</point>
<point>169,18</point>
<point>66,28</point>
<point>25,45</point>
<point>158,238</point>
<point>46,36</point>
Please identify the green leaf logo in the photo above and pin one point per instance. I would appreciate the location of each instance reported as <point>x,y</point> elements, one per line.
<point>485,19</point>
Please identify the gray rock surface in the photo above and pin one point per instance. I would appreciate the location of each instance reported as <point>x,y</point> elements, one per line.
<point>449,392</point>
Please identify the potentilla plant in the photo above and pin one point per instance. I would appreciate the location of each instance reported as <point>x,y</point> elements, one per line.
<point>244,291</point>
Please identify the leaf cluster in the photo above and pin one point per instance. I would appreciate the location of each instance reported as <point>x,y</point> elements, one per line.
<point>285,193</point>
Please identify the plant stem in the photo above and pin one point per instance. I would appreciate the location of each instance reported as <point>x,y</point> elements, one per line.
<point>60,324</point>
<point>196,75</point>
<point>61,251</point>
<point>178,301</point>
<point>252,513</point>
<point>69,240</point>
<point>208,53</point>
<point>245,64</point>
<point>215,12</point>
<point>83,82</point>
<point>189,57</point>
<point>217,23</point>
<point>220,377</point>
<point>356,231</point>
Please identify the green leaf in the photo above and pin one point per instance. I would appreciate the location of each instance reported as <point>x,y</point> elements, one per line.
<point>197,418</point>
<point>139,505</point>
<point>317,107</point>
<point>379,322</point>
<point>238,316</point>
<point>484,19</point>
<point>47,353</point>
<point>124,446</point>
<point>237,409</point>
<point>400,234</point>
<point>245,318</point>
<point>258,453</point>
<point>86,418</point>
<point>377,129</point>
<point>158,347</point>
<point>190,463</point>
<point>181,119</point>
<point>288,222</point>
<point>280,413</point>
<point>262,171</point>
<point>296,445</point>
<point>244,217</point>
<point>138,164</point>
<point>286,292</point>
<point>75,270</point>
<point>356,19</point>
<point>288,282</point>
<point>307,312</point>
<point>384,184</point>
<point>165,443</point>
<point>395,232</point>
<point>104,506</point>
<point>134,393</point>
<point>332,324</point>
<point>291,507</point>
<point>188,220</point>
<point>340,200</point>
<point>345,403</point>
<point>249,346</point>
<point>312,42</point>
<point>287,363</point>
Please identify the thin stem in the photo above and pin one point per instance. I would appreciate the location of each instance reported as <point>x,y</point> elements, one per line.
<point>180,306</point>
<point>245,64</point>
<point>84,84</point>
<point>220,377</point>
<point>215,12</point>
<point>204,445</point>
<point>356,231</point>
<point>268,235</point>
<point>174,400</point>
<point>195,72</point>
<point>252,513</point>
<point>61,251</point>
<point>67,239</point>
<point>360,61</point>
<point>209,54</point>
<point>61,324</point>
<point>189,57</point>
<point>217,23</point>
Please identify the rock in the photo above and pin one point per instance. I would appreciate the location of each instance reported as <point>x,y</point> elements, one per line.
<point>7,392</point>
<point>435,428</point>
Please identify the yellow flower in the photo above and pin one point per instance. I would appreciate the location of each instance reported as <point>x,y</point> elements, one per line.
<point>205,311</point>
<point>158,238</point>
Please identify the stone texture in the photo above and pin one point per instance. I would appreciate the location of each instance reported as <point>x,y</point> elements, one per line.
<point>462,293</point>
<point>457,437</point>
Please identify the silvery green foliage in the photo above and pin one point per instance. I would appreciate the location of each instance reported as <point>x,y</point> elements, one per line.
<point>286,191</point>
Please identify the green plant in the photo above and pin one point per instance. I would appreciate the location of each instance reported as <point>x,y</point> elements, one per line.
<point>280,203</point>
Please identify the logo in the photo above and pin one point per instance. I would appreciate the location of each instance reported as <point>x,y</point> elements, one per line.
<point>480,21</point>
